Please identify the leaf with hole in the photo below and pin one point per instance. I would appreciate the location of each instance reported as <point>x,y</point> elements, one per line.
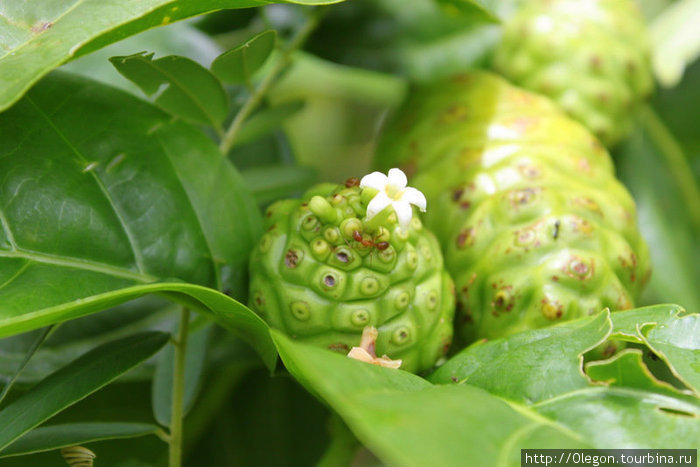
<point>239,64</point>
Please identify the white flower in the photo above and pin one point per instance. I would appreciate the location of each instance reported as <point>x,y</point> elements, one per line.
<point>393,192</point>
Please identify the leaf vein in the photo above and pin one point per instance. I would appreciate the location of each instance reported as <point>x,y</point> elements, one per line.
<point>78,263</point>
<point>127,231</point>
<point>19,272</point>
<point>217,272</point>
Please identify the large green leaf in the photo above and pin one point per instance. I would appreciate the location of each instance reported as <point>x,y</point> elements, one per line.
<point>36,37</point>
<point>407,421</point>
<point>554,354</point>
<point>52,437</point>
<point>76,381</point>
<point>102,195</point>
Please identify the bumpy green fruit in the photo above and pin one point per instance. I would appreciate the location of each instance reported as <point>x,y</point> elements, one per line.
<point>591,56</point>
<point>534,226</point>
<point>323,272</point>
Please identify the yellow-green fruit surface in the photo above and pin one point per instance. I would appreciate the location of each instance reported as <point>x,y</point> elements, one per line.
<point>590,56</point>
<point>322,273</point>
<point>534,226</point>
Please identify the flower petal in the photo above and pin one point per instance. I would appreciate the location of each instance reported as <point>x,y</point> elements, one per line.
<point>358,353</point>
<point>376,180</point>
<point>397,178</point>
<point>414,196</point>
<point>404,213</point>
<point>378,203</point>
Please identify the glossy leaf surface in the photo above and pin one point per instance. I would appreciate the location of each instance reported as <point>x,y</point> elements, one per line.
<point>103,195</point>
<point>37,37</point>
<point>48,438</point>
<point>181,86</point>
<point>407,421</point>
<point>240,63</point>
<point>76,381</point>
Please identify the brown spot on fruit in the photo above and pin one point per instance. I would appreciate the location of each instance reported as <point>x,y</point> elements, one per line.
<point>292,258</point>
<point>551,309</point>
<point>579,268</point>
<point>352,181</point>
<point>522,197</point>
<point>465,205</point>
<point>466,237</point>
<point>457,194</point>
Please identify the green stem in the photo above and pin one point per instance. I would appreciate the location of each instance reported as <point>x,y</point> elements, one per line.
<point>675,159</point>
<point>178,391</point>
<point>343,445</point>
<point>254,99</point>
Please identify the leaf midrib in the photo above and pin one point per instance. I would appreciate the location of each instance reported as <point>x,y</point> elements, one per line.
<point>77,263</point>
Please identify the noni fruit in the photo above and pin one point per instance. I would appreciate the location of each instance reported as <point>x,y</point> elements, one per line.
<point>534,226</point>
<point>343,258</point>
<point>590,56</point>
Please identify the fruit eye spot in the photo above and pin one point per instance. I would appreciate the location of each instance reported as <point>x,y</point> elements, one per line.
<point>369,286</point>
<point>301,311</point>
<point>343,257</point>
<point>329,280</point>
<point>402,300</point>
<point>360,317</point>
<point>400,335</point>
<point>432,300</point>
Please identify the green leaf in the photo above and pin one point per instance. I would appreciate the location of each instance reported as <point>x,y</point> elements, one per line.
<point>273,182</point>
<point>174,39</point>
<point>678,343</point>
<point>37,37</point>
<point>181,86</point>
<point>540,364</point>
<point>627,369</point>
<point>73,338</point>
<point>76,381</point>
<point>240,63</point>
<point>38,340</point>
<point>624,417</point>
<point>671,333</point>
<point>675,41</point>
<point>195,359</point>
<point>47,438</point>
<point>103,195</point>
<point>407,421</point>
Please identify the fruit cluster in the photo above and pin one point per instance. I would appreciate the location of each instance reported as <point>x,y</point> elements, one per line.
<point>534,226</point>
